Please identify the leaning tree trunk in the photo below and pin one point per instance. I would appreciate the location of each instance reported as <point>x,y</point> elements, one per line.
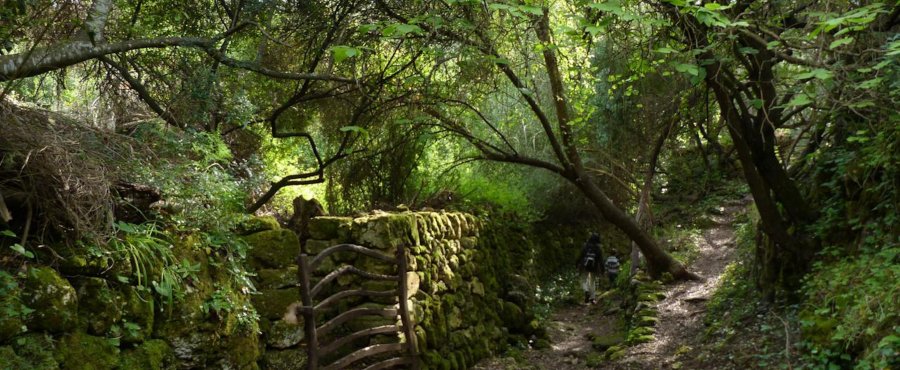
<point>644,216</point>
<point>658,261</point>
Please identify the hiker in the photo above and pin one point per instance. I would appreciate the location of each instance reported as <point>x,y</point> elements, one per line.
<point>589,265</point>
<point>612,270</point>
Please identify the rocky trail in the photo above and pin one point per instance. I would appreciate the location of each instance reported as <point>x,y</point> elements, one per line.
<point>681,314</point>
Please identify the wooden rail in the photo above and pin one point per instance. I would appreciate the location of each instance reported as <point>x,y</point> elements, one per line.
<point>404,351</point>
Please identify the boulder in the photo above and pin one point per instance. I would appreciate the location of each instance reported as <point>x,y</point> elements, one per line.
<point>290,359</point>
<point>99,306</point>
<point>78,351</point>
<point>152,354</point>
<point>35,351</point>
<point>327,228</point>
<point>277,278</point>
<point>284,335</point>
<point>53,299</point>
<point>273,303</point>
<point>273,248</point>
<point>137,309</point>
<point>12,319</point>
<point>255,224</point>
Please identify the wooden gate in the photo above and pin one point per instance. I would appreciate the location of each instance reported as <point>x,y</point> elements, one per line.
<point>402,354</point>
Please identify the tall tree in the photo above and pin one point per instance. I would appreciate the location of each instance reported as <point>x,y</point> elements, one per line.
<point>478,32</point>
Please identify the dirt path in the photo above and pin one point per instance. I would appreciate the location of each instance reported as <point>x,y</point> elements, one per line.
<point>681,315</point>
<point>682,312</point>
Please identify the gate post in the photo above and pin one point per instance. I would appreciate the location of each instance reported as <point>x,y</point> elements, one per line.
<point>408,331</point>
<point>309,314</point>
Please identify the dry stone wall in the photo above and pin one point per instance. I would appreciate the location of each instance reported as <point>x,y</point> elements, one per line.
<point>461,307</point>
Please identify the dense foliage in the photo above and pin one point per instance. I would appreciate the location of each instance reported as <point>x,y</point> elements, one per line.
<point>573,111</point>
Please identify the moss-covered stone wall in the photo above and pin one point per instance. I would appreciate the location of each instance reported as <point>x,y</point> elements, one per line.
<point>471,280</point>
<point>472,285</point>
<point>89,312</point>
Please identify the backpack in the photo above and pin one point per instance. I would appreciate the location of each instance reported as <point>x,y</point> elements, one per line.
<point>590,260</point>
<point>612,265</point>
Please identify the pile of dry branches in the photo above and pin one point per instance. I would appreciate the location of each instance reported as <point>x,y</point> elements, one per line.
<point>56,174</point>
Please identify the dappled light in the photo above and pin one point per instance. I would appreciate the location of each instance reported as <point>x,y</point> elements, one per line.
<point>449,185</point>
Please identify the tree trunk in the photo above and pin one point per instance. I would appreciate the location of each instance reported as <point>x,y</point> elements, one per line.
<point>658,261</point>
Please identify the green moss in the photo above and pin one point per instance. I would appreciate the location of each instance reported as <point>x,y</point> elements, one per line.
<point>292,359</point>
<point>327,228</point>
<point>648,321</point>
<point>152,354</point>
<point>273,248</point>
<point>603,342</point>
<point>255,224</point>
<point>240,352</point>
<point>53,299</point>
<point>35,351</point>
<point>14,313</point>
<point>98,305</point>
<point>272,304</point>
<point>138,310</point>
<point>284,335</point>
<point>78,351</point>
<point>594,360</point>
<point>614,353</point>
<point>277,278</point>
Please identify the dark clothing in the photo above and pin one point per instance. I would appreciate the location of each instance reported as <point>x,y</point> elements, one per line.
<point>590,259</point>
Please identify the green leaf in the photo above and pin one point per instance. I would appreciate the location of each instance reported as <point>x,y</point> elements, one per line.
<point>608,6</point>
<point>366,28</point>
<point>8,233</point>
<point>497,60</point>
<point>818,73</point>
<point>840,42</point>
<point>21,250</point>
<point>593,30</point>
<point>757,103</point>
<point>665,50</point>
<point>531,9</point>
<point>800,99</point>
<point>690,69</point>
<point>398,30</point>
<point>342,52</point>
<point>356,129</point>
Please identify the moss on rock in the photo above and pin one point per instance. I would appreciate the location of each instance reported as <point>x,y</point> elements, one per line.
<point>34,351</point>
<point>99,306</point>
<point>283,335</point>
<point>327,228</point>
<point>138,310</point>
<point>152,354</point>
<point>255,224</point>
<point>277,278</point>
<point>603,342</point>
<point>79,351</point>
<point>12,321</point>
<point>291,359</point>
<point>273,303</point>
<point>273,248</point>
<point>53,299</point>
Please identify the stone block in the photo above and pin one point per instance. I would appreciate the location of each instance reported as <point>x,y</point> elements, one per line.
<point>273,248</point>
<point>273,303</point>
<point>277,278</point>
<point>328,227</point>
<point>98,305</point>
<point>284,335</point>
<point>54,300</point>
<point>289,359</point>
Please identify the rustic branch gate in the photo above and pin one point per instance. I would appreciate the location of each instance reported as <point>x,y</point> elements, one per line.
<point>405,352</point>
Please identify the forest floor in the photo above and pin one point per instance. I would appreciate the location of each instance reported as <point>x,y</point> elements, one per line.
<point>681,315</point>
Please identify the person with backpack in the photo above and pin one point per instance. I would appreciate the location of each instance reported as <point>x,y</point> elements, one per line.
<point>589,265</point>
<point>612,269</point>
